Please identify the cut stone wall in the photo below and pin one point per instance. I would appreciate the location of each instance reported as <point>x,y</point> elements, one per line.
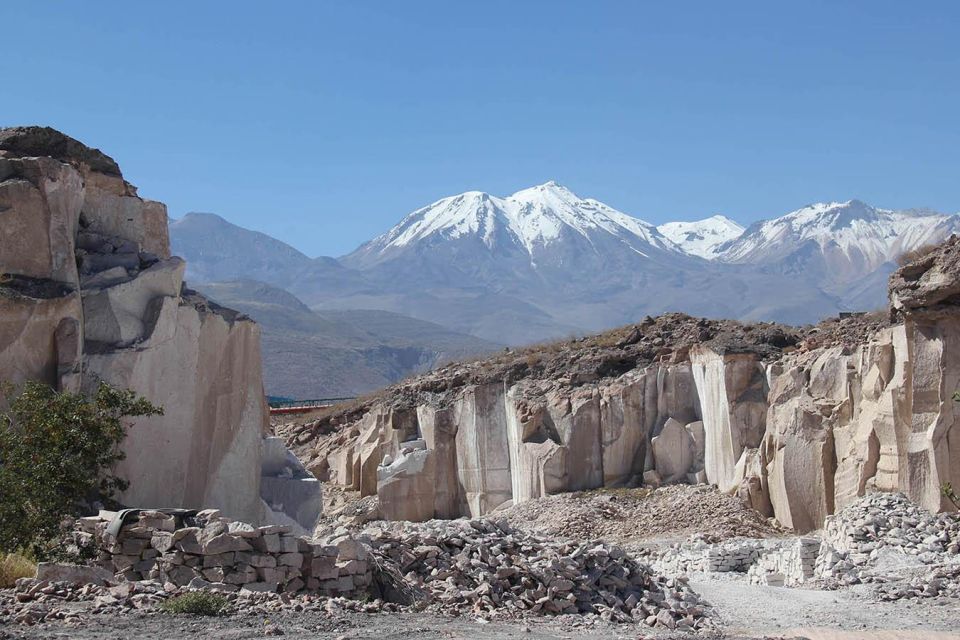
<point>210,551</point>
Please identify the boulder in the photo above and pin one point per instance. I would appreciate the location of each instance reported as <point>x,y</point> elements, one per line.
<point>406,488</point>
<point>74,574</point>
<point>673,451</point>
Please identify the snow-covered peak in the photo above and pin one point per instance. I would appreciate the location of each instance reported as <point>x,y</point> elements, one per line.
<point>703,237</point>
<point>851,231</point>
<point>532,218</point>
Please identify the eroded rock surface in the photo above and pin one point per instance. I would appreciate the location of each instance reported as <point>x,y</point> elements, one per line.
<point>90,293</point>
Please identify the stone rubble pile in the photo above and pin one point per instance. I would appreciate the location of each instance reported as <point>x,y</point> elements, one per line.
<point>483,566</point>
<point>208,550</point>
<point>880,523</point>
<point>941,581</point>
<point>883,538</point>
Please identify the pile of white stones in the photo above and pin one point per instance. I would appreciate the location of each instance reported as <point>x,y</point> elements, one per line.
<point>882,538</point>
<point>208,550</point>
<point>484,566</point>
<point>880,524</point>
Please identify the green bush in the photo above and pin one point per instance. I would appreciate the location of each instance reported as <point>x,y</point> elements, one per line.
<point>57,450</point>
<point>198,603</point>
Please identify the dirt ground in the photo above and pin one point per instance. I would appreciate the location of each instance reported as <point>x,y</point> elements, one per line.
<point>755,612</point>
<point>638,517</point>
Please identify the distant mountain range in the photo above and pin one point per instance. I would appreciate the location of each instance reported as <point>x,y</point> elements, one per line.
<point>331,354</point>
<point>544,263</point>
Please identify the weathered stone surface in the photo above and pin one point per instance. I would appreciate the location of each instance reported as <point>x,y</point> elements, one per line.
<point>439,431</point>
<point>623,430</point>
<point>118,314</point>
<point>29,345</point>
<point>76,574</point>
<point>734,404</point>
<point>136,328</point>
<point>483,453</point>
<point>407,487</point>
<point>673,451</point>
<point>41,200</point>
<point>287,487</point>
<point>931,280</point>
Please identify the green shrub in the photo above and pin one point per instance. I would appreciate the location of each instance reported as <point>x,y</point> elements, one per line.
<point>57,450</point>
<point>198,603</point>
<point>14,566</point>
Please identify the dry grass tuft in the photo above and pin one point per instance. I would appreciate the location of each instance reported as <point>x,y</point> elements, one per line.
<point>13,566</point>
<point>915,254</point>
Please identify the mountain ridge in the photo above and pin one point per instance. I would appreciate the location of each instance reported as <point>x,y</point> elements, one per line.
<point>544,263</point>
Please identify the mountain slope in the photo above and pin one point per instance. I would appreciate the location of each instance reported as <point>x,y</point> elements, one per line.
<point>836,243</point>
<point>217,250</point>
<point>703,237</point>
<point>309,354</point>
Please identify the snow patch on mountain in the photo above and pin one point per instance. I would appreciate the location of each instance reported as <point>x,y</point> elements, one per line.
<point>702,237</point>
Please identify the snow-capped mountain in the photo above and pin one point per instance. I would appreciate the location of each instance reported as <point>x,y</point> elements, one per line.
<point>527,222</point>
<point>843,240</point>
<point>703,237</point>
<point>545,262</point>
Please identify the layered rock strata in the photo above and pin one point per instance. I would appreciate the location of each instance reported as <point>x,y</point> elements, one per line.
<point>89,293</point>
<point>799,422</point>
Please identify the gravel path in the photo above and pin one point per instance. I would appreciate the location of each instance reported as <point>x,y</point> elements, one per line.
<point>752,609</point>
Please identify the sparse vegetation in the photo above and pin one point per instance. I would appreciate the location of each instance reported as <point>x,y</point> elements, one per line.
<point>915,254</point>
<point>197,603</point>
<point>57,450</point>
<point>950,494</point>
<point>14,566</point>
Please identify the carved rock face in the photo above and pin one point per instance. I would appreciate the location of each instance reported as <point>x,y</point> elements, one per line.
<point>122,317</point>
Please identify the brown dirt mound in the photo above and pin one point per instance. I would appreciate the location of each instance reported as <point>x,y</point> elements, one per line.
<point>638,517</point>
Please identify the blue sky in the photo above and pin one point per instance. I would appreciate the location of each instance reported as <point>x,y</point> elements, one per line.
<point>323,123</point>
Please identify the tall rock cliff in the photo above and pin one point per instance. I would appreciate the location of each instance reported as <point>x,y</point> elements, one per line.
<point>89,292</point>
<point>797,421</point>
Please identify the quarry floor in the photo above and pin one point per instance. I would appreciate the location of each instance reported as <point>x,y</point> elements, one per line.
<point>630,518</point>
<point>743,610</point>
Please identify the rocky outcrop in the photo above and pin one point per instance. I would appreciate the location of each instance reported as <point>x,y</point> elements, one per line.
<point>90,293</point>
<point>797,422</point>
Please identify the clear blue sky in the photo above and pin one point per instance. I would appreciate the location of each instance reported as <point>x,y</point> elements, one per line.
<point>323,123</point>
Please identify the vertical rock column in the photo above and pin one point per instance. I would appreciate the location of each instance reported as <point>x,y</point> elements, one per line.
<point>734,405</point>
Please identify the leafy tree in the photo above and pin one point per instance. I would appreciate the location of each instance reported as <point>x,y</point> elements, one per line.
<point>57,450</point>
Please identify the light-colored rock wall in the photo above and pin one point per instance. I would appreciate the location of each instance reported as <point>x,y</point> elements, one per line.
<point>796,439</point>
<point>122,318</point>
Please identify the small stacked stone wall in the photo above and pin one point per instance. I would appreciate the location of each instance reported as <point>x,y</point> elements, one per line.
<point>735,555</point>
<point>790,566</point>
<point>210,551</point>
